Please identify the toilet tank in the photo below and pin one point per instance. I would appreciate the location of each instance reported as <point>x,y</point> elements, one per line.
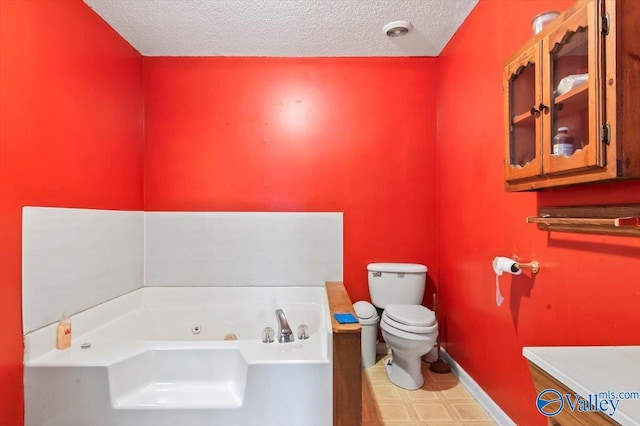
<point>396,283</point>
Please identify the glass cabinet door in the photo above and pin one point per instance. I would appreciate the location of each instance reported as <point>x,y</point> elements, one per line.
<point>573,130</point>
<point>521,88</point>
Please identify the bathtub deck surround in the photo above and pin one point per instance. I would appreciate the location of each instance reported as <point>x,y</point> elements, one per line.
<point>158,354</point>
<point>242,248</point>
<point>347,374</point>
<point>73,259</point>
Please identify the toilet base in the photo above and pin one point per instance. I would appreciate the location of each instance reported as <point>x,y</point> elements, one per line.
<point>407,375</point>
<point>431,356</point>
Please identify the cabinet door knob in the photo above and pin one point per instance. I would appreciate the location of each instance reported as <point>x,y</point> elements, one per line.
<point>543,108</point>
<point>534,111</point>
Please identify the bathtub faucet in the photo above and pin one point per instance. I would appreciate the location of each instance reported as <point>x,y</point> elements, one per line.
<point>284,331</point>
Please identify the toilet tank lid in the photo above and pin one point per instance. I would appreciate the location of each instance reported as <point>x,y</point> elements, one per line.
<point>406,268</point>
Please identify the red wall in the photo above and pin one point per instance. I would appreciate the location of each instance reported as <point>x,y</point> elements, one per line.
<point>70,135</point>
<point>265,134</point>
<point>588,290</point>
<point>351,135</point>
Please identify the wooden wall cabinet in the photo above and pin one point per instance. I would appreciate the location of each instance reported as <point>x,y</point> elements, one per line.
<point>582,72</point>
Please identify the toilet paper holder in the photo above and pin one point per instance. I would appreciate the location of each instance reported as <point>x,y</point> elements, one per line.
<point>534,265</point>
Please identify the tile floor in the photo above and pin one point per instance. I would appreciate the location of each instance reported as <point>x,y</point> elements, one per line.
<point>441,401</point>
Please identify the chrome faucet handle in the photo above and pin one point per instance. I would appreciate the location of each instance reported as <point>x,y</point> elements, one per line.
<point>303,332</point>
<point>268,335</point>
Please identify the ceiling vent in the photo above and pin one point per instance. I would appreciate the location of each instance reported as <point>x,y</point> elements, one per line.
<point>397,28</point>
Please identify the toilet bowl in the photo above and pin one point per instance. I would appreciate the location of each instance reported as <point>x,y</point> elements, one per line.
<point>410,331</point>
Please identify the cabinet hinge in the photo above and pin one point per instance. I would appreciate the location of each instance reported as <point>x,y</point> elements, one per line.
<point>604,24</point>
<point>606,133</point>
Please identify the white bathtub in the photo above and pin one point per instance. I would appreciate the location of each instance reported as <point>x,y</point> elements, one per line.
<point>157,356</point>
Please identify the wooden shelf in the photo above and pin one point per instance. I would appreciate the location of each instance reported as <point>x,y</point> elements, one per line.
<point>621,219</point>
<point>524,119</point>
<point>577,99</point>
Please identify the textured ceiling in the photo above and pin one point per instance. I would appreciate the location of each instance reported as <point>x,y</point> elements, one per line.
<point>296,28</point>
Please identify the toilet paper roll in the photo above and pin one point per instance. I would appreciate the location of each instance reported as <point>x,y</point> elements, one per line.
<point>504,264</point>
<point>501,265</point>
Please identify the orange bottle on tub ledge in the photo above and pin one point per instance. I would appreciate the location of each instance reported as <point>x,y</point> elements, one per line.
<point>63,333</point>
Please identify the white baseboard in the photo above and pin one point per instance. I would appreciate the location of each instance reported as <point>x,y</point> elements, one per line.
<point>496,413</point>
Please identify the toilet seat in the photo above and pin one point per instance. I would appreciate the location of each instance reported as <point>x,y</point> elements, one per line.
<point>386,325</point>
<point>412,333</point>
<point>411,322</point>
<point>410,318</point>
<point>407,328</point>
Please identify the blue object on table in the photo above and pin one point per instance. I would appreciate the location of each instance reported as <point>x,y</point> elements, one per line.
<point>345,318</point>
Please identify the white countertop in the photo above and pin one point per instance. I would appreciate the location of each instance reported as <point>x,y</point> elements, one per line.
<point>594,369</point>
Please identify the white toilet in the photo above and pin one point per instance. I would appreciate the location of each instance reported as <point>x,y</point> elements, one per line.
<point>409,329</point>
